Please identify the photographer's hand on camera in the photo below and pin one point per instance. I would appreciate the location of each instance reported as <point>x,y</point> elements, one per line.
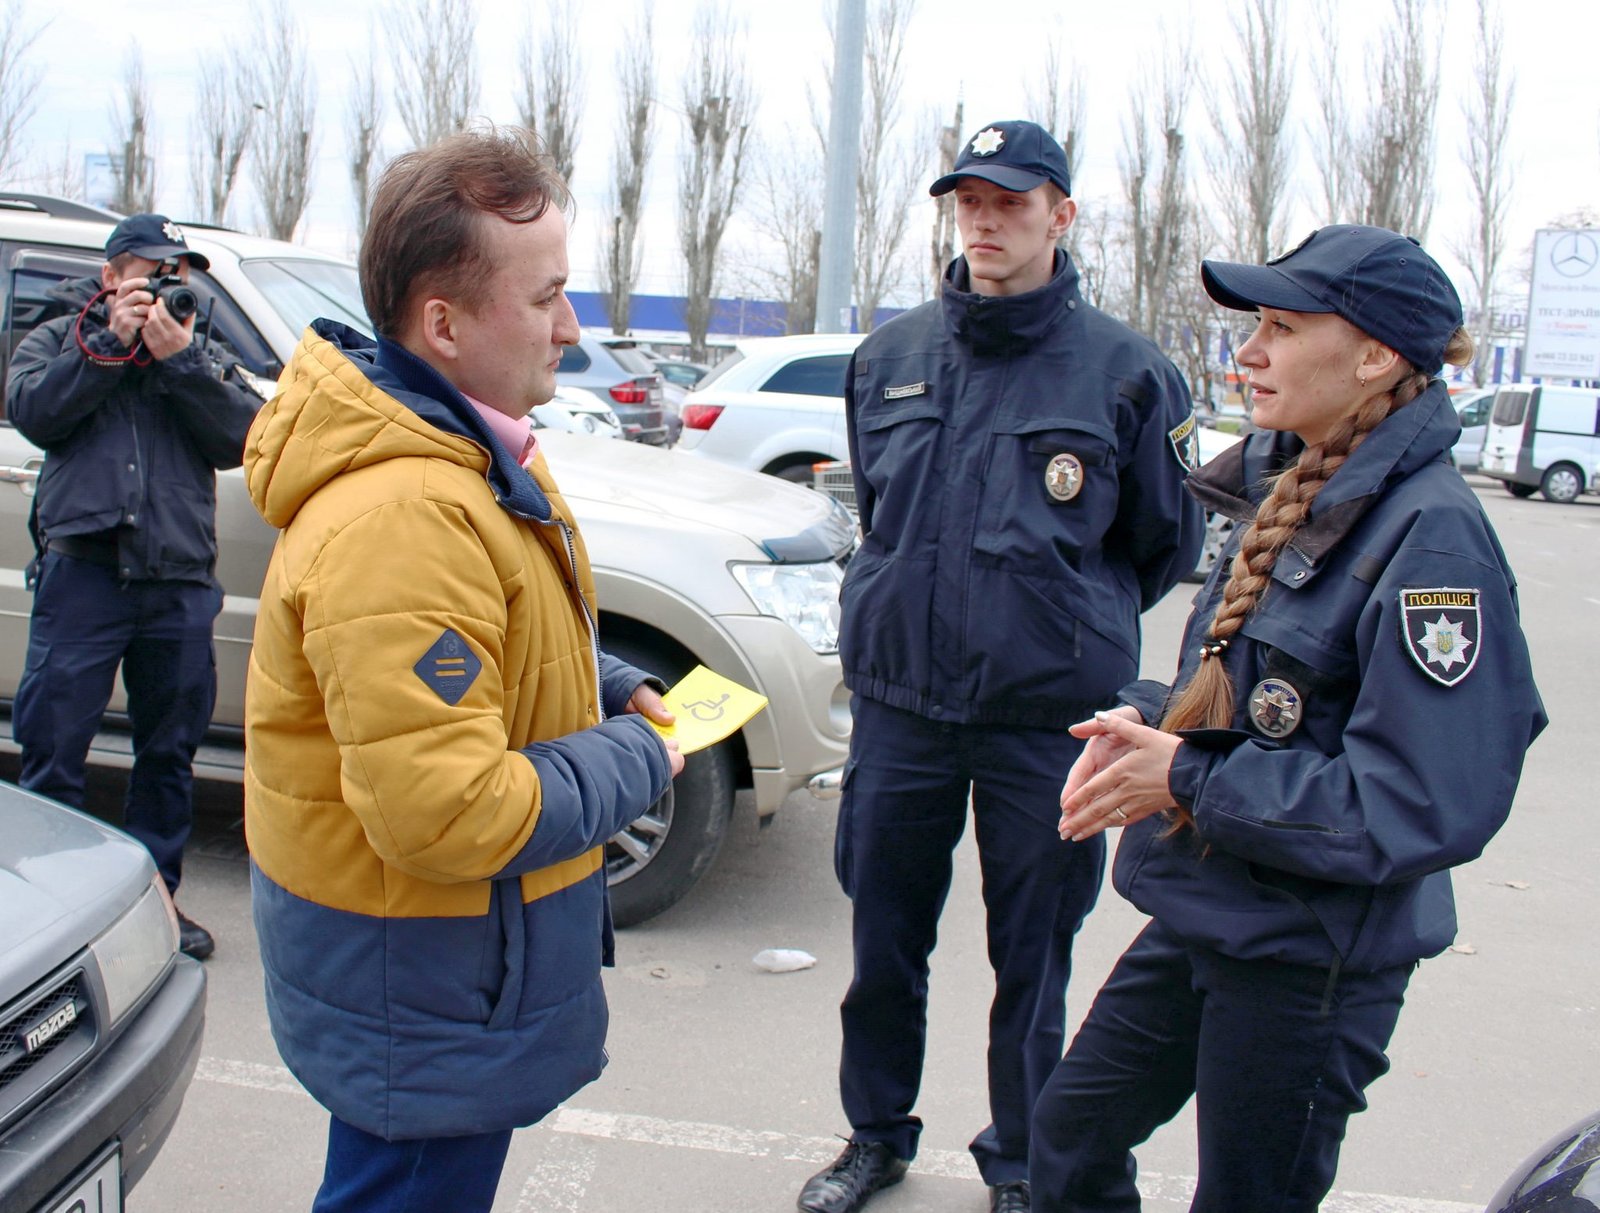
<point>136,314</point>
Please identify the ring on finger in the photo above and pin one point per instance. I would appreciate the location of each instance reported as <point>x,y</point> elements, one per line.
<point>1121,816</point>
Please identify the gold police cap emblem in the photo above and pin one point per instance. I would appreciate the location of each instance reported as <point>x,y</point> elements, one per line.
<point>1063,476</point>
<point>1275,707</point>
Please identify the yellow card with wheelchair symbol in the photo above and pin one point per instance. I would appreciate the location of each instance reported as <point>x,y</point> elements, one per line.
<point>709,707</point>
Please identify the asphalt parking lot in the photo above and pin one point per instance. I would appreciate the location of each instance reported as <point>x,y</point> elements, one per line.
<point>721,1091</point>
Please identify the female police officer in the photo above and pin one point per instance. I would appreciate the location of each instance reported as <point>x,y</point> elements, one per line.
<point>1350,715</point>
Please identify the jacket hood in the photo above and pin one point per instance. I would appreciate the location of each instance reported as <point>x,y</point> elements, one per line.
<point>1236,481</point>
<point>73,293</point>
<point>346,402</point>
<point>1007,324</point>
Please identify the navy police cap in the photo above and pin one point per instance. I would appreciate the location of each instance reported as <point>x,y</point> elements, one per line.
<point>1380,281</point>
<point>152,236</point>
<point>1017,156</point>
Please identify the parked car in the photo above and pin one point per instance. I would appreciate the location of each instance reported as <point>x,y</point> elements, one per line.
<point>576,411</point>
<point>775,405</point>
<point>100,1016</point>
<point>1544,439</point>
<point>1472,409</point>
<point>686,375</point>
<point>1561,1176</point>
<point>694,564</point>
<point>627,378</point>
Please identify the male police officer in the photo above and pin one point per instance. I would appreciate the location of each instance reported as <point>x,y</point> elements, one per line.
<point>1018,459</point>
<point>135,417</point>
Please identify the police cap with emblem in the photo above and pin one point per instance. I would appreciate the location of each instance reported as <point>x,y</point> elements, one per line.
<point>1017,156</point>
<point>152,236</point>
<point>1380,281</point>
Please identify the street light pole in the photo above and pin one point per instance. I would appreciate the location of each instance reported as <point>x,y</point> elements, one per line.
<point>837,261</point>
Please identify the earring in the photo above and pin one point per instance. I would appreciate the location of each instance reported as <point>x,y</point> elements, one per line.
<point>1363,379</point>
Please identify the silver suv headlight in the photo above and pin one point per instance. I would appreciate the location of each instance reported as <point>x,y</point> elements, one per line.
<point>805,596</point>
<point>136,949</point>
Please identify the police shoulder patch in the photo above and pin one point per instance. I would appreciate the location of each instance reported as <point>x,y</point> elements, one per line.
<point>449,666</point>
<point>1442,629</point>
<point>1185,440</point>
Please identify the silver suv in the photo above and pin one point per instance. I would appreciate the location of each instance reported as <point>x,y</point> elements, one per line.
<point>695,564</point>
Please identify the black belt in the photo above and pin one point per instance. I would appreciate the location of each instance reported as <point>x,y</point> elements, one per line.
<point>90,548</point>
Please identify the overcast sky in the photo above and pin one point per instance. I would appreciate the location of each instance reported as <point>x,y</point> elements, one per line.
<point>988,54</point>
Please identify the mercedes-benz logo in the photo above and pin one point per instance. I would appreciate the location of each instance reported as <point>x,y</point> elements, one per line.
<point>1574,254</point>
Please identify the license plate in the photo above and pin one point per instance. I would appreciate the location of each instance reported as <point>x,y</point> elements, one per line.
<point>98,1191</point>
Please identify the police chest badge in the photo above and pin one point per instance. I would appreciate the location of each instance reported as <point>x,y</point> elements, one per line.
<point>1063,476</point>
<point>1442,628</point>
<point>1276,707</point>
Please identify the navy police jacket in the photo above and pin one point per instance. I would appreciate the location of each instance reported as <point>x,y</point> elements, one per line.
<point>129,450</point>
<point>1383,704</point>
<point>1019,466</point>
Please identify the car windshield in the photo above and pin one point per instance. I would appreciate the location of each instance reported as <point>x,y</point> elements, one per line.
<point>301,291</point>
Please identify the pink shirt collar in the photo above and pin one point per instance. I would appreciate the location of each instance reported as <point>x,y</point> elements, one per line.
<point>515,433</point>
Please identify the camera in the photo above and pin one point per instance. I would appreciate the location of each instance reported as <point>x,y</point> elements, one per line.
<point>180,298</point>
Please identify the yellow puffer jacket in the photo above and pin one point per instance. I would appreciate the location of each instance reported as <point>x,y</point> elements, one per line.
<point>430,771</point>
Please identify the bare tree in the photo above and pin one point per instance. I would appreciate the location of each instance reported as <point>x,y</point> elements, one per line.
<point>552,83</point>
<point>1249,162</point>
<point>622,254</point>
<point>886,175</point>
<point>20,76</point>
<point>1155,184</point>
<point>224,115</point>
<point>1058,100</point>
<point>789,216</point>
<point>285,138</point>
<point>435,67</point>
<point>364,126</point>
<point>134,166</point>
<point>1488,111</point>
<point>1394,153</point>
<point>717,106</point>
<point>942,244</point>
<point>1333,144</point>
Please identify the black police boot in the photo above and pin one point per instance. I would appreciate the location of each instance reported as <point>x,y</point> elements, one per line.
<point>863,1168</point>
<point>1010,1197</point>
<point>193,939</point>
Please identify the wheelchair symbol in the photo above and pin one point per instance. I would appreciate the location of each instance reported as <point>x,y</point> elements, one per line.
<point>707,709</point>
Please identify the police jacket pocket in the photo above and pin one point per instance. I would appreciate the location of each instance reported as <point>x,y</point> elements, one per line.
<point>900,453</point>
<point>1050,489</point>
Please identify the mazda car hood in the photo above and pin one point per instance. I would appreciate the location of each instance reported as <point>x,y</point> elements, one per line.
<point>64,878</point>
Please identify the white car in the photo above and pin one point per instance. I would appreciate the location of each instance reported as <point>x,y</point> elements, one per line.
<point>576,411</point>
<point>775,405</point>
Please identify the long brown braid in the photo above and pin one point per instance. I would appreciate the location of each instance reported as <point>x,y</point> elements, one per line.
<point>1207,701</point>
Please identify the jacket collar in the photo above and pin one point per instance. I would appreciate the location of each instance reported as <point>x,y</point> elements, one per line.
<point>1236,481</point>
<point>1007,324</point>
<point>433,398</point>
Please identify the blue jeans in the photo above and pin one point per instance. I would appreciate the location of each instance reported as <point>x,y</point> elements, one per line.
<point>85,620</point>
<point>904,809</point>
<point>1276,1056</point>
<point>366,1174</point>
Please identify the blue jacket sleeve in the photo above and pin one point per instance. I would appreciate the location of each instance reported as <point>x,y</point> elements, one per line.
<point>1427,772</point>
<point>1159,526</point>
<point>592,784</point>
<point>212,409</point>
<point>618,682</point>
<point>864,497</point>
<point>54,387</point>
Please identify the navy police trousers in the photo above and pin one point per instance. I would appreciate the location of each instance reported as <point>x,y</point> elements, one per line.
<point>366,1174</point>
<point>85,620</point>
<point>904,808</point>
<point>1276,1055</point>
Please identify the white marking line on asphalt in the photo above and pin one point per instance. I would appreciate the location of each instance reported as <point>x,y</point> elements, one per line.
<point>1593,601</point>
<point>567,1177</point>
<point>561,1181</point>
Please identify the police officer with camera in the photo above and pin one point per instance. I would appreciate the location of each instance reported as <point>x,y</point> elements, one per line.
<point>135,417</point>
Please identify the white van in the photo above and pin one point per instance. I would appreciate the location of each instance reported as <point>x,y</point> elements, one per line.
<point>1544,439</point>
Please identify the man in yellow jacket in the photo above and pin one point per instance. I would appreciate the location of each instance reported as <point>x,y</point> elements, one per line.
<point>436,747</point>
